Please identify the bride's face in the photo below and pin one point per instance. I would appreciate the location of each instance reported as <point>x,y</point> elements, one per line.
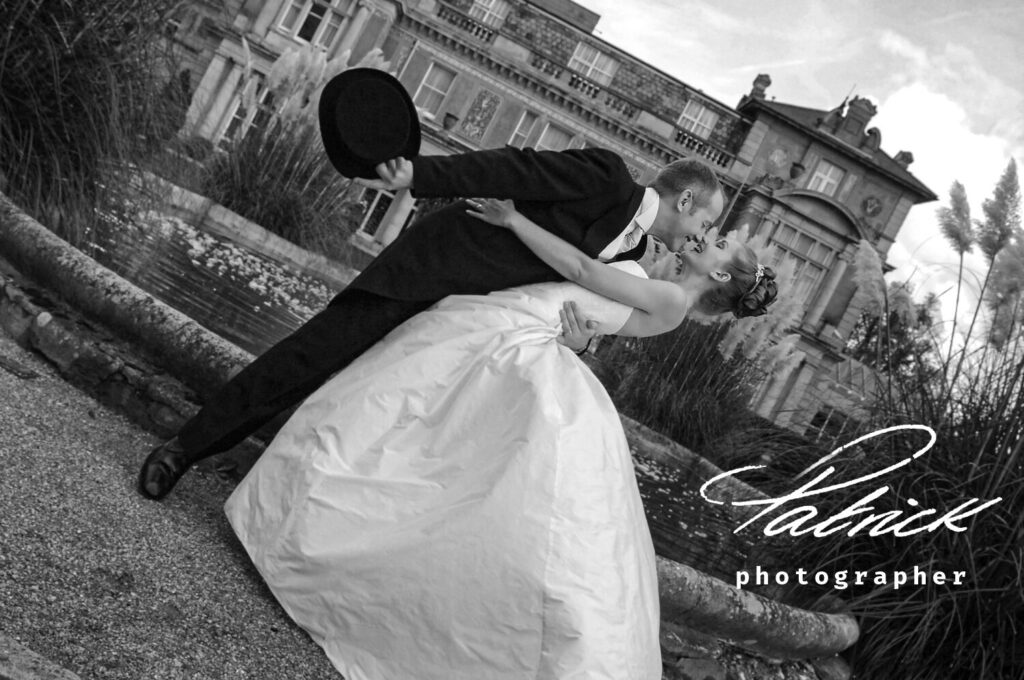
<point>695,265</point>
<point>707,259</point>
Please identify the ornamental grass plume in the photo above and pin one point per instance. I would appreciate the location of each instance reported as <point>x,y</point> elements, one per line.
<point>957,227</point>
<point>867,275</point>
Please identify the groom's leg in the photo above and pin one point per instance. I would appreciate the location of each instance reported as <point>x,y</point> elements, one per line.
<point>278,379</point>
<point>292,369</point>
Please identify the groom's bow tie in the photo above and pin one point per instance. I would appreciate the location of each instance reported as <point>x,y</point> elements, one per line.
<point>634,253</point>
<point>630,241</point>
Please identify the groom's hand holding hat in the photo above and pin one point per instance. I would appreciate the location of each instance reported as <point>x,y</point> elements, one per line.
<point>395,175</point>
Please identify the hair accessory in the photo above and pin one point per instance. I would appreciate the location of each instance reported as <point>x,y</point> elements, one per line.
<point>758,275</point>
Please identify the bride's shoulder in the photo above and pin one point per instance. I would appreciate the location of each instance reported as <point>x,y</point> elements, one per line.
<point>631,267</point>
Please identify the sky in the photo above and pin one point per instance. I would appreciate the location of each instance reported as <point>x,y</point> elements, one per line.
<point>947,77</point>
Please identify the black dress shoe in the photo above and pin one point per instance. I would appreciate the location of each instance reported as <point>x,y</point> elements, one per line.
<point>164,466</point>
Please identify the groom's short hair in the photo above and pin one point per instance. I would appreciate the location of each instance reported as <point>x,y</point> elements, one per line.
<point>688,173</point>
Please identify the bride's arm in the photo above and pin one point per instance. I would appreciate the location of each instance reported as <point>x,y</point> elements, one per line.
<point>659,305</point>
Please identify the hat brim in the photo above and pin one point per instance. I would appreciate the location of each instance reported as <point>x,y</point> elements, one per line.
<point>367,117</point>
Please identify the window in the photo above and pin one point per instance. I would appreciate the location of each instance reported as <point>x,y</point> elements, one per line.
<point>433,89</point>
<point>826,178</point>
<point>245,118</point>
<point>315,21</point>
<point>590,62</point>
<point>377,204</point>
<point>830,423</point>
<point>810,259</point>
<point>698,119</point>
<point>524,128</point>
<point>553,139</point>
<point>490,12</point>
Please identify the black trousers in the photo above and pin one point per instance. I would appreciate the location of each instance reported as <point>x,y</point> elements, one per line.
<point>293,369</point>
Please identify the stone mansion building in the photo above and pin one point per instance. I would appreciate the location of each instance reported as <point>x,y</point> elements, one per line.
<point>531,73</point>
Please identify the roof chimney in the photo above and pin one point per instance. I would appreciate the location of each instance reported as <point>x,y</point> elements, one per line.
<point>761,83</point>
<point>904,159</point>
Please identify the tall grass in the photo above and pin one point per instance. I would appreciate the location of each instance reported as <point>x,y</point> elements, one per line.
<point>935,632</point>
<point>679,383</point>
<point>280,178</point>
<point>78,102</point>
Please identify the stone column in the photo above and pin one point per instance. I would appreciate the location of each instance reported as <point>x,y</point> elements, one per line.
<point>205,92</point>
<point>354,28</point>
<point>209,96</point>
<point>214,115</point>
<point>394,218</point>
<point>826,291</point>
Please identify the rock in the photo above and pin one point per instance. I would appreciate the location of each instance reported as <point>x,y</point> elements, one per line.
<point>16,314</point>
<point>831,668</point>
<point>92,365</point>
<point>700,669</point>
<point>165,420</point>
<point>679,641</point>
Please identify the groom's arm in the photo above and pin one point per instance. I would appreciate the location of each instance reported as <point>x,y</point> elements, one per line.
<point>521,174</point>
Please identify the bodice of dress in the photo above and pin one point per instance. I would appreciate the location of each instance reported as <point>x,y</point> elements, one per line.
<point>545,300</point>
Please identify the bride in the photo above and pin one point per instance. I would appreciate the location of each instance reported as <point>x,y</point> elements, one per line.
<point>459,503</point>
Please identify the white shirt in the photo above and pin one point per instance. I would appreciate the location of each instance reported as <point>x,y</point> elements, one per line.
<point>644,218</point>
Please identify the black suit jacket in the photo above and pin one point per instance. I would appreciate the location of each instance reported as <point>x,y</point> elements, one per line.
<point>586,196</point>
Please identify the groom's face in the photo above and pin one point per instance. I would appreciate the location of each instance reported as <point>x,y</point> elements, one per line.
<point>693,221</point>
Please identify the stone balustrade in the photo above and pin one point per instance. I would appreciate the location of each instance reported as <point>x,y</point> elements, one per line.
<point>466,23</point>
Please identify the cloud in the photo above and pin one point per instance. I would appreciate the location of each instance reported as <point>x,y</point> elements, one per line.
<point>762,67</point>
<point>899,46</point>
<point>936,129</point>
<point>992,106</point>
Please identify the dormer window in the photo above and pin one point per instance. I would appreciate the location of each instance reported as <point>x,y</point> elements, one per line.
<point>698,119</point>
<point>826,178</point>
<point>490,12</point>
<point>433,89</point>
<point>553,138</point>
<point>594,64</point>
<point>315,21</point>
<point>524,129</point>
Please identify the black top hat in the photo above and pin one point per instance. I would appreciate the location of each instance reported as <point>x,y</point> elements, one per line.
<point>366,118</point>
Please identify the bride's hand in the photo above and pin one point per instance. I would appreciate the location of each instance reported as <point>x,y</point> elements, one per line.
<point>577,330</point>
<point>501,213</point>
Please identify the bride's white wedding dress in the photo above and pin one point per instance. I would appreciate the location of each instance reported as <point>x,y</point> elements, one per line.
<point>460,504</point>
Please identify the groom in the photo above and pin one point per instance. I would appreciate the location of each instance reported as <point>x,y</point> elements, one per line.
<point>586,196</point>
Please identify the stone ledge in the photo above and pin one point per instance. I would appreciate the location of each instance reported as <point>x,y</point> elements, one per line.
<point>21,663</point>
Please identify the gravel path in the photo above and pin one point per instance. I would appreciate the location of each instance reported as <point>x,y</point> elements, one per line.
<point>106,583</point>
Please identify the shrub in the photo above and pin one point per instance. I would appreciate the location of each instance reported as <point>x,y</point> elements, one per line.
<point>78,101</point>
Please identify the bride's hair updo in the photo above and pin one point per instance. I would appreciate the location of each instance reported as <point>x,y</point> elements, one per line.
<point>749,291</point>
